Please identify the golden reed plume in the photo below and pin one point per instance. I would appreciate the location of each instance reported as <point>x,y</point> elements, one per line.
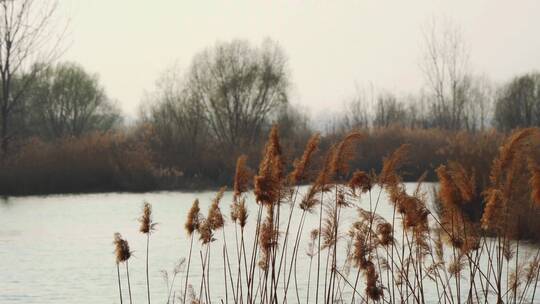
<point>457,188</point>
<point>343,153</point>
<point>241,213</point>
<point>121,249</point>
<point>147,226</point>
<point>534,182</point>
<point>302,164</point>
<point>192,222</point>
<point>309,200</point>
<point>361,180</point>
<point>215,217</point>
<point>268,238</point>
<point>373,288</point>
<point>205,231</point>
<point>268,180</point>
<point>504,174</point>
<point>336,161</point>
<point>389,176</point>
<point>241,177</point>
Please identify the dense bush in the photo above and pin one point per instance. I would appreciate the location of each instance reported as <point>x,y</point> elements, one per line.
<point>94,162</point>
<point>116,161</point>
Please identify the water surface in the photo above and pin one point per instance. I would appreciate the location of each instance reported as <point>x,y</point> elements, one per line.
<point>58,249</point>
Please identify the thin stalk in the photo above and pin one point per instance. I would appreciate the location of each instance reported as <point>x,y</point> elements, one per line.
<point>319,249</point>
<point>147,276</point>
<point>129,284</point>
<point>187,270</point>
<point>119,285</point>
<point>309,279</point>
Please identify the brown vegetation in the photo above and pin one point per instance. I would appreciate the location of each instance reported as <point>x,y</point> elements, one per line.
<point>93,163</point>
<point>450,252</point>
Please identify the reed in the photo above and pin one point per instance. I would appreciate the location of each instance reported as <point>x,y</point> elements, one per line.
<point>122,253</point>
<point>428,251</point>
<point>147,226</point>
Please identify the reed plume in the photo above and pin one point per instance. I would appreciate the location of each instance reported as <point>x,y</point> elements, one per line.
<point>361,180</point>
<point>205,231</point>
<point>192,224</point>
<point>241,213</point>
<point>302,164</point>
<point>268,236</point>
<point>361,248</point>
<point>147,227</point>
<point>268,180</point>
<point>121,248</point>
<point>534,181</point>
<point>492,219</point>
<point>215,217</point>
<point>516,143</point>
<point>389,176</point>
<point>122,254</point>
<point>385,233</point>
<point>313,235</point>
<point>504,175</point>
<point>343,153</point>
<point>241,177</point>
<point>309,200</point>
<point>361,255</point>
<point>329,227</point>
<point>373,289</point>
<point>457,189</point>
<point>192,221</point>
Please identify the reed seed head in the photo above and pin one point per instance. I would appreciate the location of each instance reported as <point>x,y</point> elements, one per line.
<point>205,232</point>
<point>241,177</point>
<point>192,222</point>
<point>385,233</point>
<point>242,214</point>
<point>147,225</point>
<point>309,200</point>
<point>534,181</point>
<point>301,165</point>
<point>215,217</point>
<point>268,180</point>
<point>360,180</point>
<point>121,248</point>
<point>391,164</point>
<point>344,152</point>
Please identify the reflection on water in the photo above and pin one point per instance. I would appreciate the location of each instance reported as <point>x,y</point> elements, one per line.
<point>58,249</point>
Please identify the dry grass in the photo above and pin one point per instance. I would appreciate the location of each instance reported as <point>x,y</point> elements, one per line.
<point>458,257</point>
<point>93,163</point>
<point>396,258</point>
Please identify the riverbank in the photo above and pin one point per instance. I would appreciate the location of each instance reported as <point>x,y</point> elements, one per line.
<point>117,162</point>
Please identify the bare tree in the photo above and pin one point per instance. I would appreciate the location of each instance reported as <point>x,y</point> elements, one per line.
<point>478,110</point>
<point>446,66</point>
<point>177,117</point>
<point>240,87</point>
<point>389,111</point>
<point>27,36</point>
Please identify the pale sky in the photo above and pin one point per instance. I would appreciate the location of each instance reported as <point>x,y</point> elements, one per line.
<point>333,47</point>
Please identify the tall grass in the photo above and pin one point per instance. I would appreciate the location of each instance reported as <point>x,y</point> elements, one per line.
<point>129,161</point>
<point>123,254</point>
<point>96,162</point>
<point>147,227</point>
<point>423,253</point>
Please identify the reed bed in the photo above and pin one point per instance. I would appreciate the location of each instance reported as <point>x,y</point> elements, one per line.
<point>422,253</point>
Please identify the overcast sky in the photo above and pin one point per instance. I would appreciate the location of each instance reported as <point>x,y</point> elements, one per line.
<point>334,47</point>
